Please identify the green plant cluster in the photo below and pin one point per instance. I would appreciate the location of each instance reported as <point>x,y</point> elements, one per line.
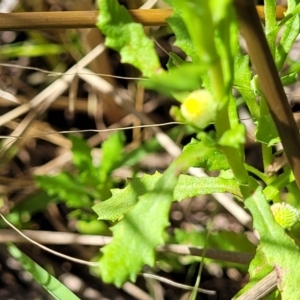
<point>207,31</point>
<point>203,83</point>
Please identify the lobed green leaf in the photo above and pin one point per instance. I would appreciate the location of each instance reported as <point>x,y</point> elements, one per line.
<point>122,200</point>
<point>278,249</point>
<point>186,77</point>
<point>127,37</point>
<point>136,236</point>
<point>242,79</point>
<point>112,150</point>
<point>65,187</point>
<point>82,157</point>
<point>183,39</point>
<point>186,187</point>
<point>289,35</point>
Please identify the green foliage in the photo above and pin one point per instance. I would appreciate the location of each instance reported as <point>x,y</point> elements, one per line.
<point>291,31</point>
<point>274,188</point>
<point>266,131</point>
<point>127,37</point>
<point>242,79</point>
<point>92,181</point>
<point>67,188</point>
<point>206,31</point>
<point>289,78</point>
<point>216,160</point>
<point>82,159</point>
<point>185,77</point>
<point>222,240</point>
<point>189,186</point>
<point>92,227</point>
<point>23,49</point>
<point>122,200</point>
<point>183,38</point>
<point>23,211</point>
<point>186,187</point>
<point>258,269</point>
<point>54,287</point>
<point>142,228</point>
<point>197,19</point>
<point>174,61</point>
<point>112,150</point>
<point>277,248</point>
<point>233,137</point>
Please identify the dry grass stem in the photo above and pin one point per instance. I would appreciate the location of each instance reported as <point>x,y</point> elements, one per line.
<point>178,285</point>
<point>76,260</point>
<point>261,289</point>
<point>67,238</point>
<point>88,19</point>
<point>54,90</point>
<point>135,291</point>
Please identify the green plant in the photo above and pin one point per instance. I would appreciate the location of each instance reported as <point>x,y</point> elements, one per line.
<point>80,188</point>
<point>202,83</point>
<point>90,183</point>
<point>207,31</point>
<point>54,287</point>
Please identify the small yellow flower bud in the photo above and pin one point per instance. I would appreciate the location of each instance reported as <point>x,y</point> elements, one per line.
<point>285,214</point>
<point>199,108</point>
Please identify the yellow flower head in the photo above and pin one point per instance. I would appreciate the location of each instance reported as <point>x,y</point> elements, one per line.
<point>199,108</point>
<point>285,214</point>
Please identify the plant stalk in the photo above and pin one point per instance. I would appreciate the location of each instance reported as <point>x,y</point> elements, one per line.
<point>233,155</point>
<point>270,83</point>
<point>88,19</point>
<point>270,23</point>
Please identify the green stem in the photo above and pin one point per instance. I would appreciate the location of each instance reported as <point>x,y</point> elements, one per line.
<point>270,82</point>
<point>215,75</point>
<point>272,191</point>
<point>199,22</point>
<point>294,192</point>
<point>234,156</point>
<point>266,151</point>
<point>258,173</point>
<point>270,23</point>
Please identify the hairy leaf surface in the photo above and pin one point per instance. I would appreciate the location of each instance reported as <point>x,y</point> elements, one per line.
<point>136,236</point>
<point>186,187</point>
<point>127,37</point>
<point>278,250</point>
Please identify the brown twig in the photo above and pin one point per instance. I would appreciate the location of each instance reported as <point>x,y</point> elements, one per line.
<point>261,289</point>
<point>88,19</point>
<point>229,256</point>
<point>67,238</point>
<point>270,83</point>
